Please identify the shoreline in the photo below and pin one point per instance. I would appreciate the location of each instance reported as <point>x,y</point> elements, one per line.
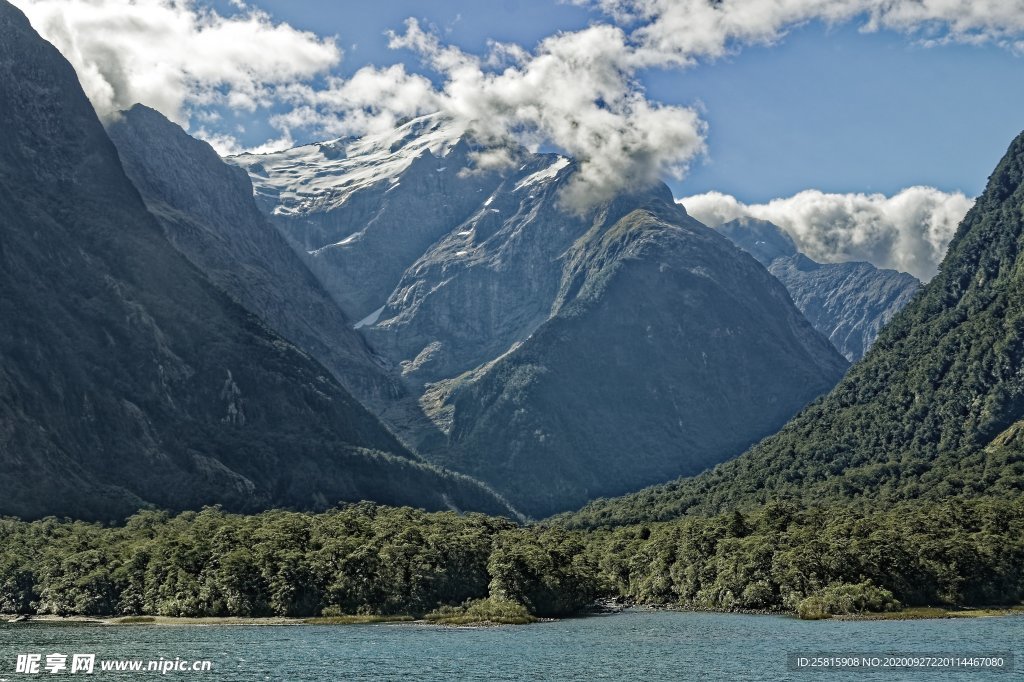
<point>265,621</point>
<point>938,613</point>
<point>913,613</point>
<point>910,613</point>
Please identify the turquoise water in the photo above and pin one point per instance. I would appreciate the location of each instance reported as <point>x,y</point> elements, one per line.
<point>635,645</point>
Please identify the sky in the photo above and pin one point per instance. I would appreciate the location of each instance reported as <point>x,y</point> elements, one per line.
<point>832,108</point>
<point>863,127</point>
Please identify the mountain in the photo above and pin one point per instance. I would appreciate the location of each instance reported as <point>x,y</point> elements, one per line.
<point>557,355</point>
<point>126,377</point>
<point>847,302</point>
<point>935,410</point>
<point>207,211</point>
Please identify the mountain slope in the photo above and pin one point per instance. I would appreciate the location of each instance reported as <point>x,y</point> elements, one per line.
<point>932,411</point>
<point>207,212</point>
<point>847,302</point>
<point>126,378</point>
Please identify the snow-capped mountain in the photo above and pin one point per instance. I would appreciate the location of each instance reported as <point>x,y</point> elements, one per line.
<point>558,356</point>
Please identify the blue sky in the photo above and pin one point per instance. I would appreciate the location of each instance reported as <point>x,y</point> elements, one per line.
<point>830,108</point>
<point>843,111</point>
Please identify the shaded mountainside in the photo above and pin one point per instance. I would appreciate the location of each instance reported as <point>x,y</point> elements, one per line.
<point>126,377</point>
<point>933,411</point>
<point>558,356</point>
<point>207,211</point>
<point>847,302</point>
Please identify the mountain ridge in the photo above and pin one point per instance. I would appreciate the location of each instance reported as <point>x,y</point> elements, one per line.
<point>127,379</point>
<point>207,211</point>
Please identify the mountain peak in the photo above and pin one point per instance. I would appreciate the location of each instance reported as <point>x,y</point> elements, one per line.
<point>321,176</point>
<point>763,240</point>
<point>847,302</point>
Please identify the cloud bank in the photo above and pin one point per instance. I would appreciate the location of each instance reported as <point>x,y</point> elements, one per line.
<point>908,231</point>
<point>577,91</point>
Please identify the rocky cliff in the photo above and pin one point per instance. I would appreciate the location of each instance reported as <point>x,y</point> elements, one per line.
<point>847,302</point>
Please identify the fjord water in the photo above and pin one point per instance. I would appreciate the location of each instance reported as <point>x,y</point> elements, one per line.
<point>635,645</point>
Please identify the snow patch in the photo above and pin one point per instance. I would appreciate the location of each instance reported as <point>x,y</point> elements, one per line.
<point>370,319</point>
<point>548,173</point>
<point>306,180</point>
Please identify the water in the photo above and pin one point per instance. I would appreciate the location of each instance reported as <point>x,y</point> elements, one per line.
<point>635,645</point>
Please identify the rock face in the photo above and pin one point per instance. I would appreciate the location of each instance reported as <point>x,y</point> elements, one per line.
<point>847,302</point>
<point>207,212</point>
<point>934,411</point>
<point>558,356</point>
<point>126,377</point>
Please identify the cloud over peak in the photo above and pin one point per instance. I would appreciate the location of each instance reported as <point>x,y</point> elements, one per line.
<point>577,91</point>
<point>908,231</point>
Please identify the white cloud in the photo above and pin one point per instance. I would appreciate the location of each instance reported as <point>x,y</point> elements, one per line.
<point>577,91</point>
<point>372,100</point>
<point>228,145</point>
<point>681,30</point>
<point>908,231</point>
<point>175,56</point>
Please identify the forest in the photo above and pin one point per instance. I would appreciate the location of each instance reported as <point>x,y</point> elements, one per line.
<point>365,559</point>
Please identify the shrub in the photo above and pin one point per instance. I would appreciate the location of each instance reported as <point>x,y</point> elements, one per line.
<point>492,610</point>
<point>845,598</point>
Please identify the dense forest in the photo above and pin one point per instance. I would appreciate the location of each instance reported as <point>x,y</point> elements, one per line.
<point>362,559</point>
<point>373,560</point>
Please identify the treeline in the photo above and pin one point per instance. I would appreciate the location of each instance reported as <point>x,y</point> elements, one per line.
<point>363,559</point>
<point>373,560</point>
<point>822,560</point>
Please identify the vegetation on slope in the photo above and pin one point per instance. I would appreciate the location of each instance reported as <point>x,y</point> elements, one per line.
<point>929,413</point>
